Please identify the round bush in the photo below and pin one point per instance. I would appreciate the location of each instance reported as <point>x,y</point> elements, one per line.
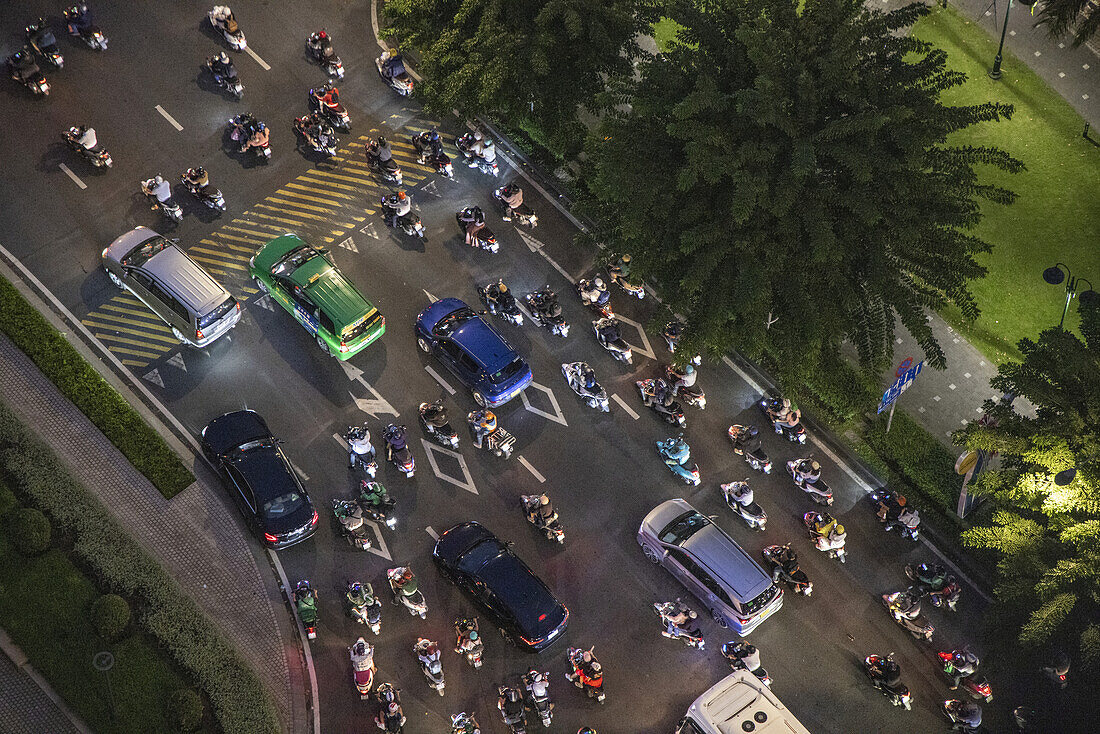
<point>110,615</point>
<point>30,531</point>
<point>185,710</point>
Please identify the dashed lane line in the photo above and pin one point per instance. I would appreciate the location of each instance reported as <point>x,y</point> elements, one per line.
<point>439,379</point>
<point>166,116</point>
<point>73,176</point>
<point>263,64</point>
<point>624,406</point>
<point>431,532</point>
<point>534,472</point>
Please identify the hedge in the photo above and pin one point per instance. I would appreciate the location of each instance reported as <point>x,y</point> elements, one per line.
<point>239,700</point>
<point>914,453</point>
<point>30,531</point>
<point>110,616</point>
<point>184,709</point>
<point>78,381</point>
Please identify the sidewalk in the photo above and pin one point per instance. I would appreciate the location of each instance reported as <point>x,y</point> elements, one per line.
<point>27,704</point>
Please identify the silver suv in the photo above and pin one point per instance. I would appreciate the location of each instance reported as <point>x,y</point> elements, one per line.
<point>710,564</point>
<point>177,289</point>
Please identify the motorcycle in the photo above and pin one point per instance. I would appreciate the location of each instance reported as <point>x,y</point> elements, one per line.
<point>323,141</point>
<point>509,312</point>
<point>673,333</point>
<point>90,34</point>
<point>482,237</point>
<point>170,208</point>
<point>403,584</point>
<point>464,723</point>
<point>377,503</point>
<point>409,223</point>
<point>544,310</point>
<point>363,606</point>
<point>334,112</point>
<point>465,144</point>
<point>770,405</point>
<point>1056,671</point>
<point>41,39</point>
<point>305,601</point>
<point>441,161</point>
<point>904,607</point>
<point>587,674</point>
<point>672,413</point>
<point>934,581</point>
<point>433,418</point>
<point>319,47</point>
<point>819,491</point>
<point>23,69</point>
<point>736,653</point>
<point>552,529</point>
<point>747,445</point>
<point>602,303</point>
<point>615,275</point>
<point>97,156</point>
<point>431,663</point>
<point>207,194</point>
<point>391,719</point>
<point>976,685</point>
<point>469,645</point>
<point>499,442</point>
<point>399,80</point>
<point>538,693</point>
<point>676,455</point>
<point>784,567</point>
<point>595,397</point>
<point>693,395</point>
<point>607,333</point>
<point>227,25</point>
<point>667,611</point>
<point>752,513</point>
<point>890,503</point>
<point>965,717</point>
<point>350,516</point>
<point>362,667</point>
<point>522,213</point>
<point>230,84</point>
<point>512,710</point>
<point>875,666</point>
<point>360,451</point>
<point>397,450</point>
<point>241,127</point>
<point>831,542</point>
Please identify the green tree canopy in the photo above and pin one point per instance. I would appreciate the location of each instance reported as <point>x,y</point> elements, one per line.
<point>1077,18</point>
<point>797,163</point>
<point>532,62</point>
<point>1047,535</point>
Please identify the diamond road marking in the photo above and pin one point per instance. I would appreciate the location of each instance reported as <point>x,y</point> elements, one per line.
<point>898,340</point>
<point>981,364</point>
<point>964,421</point>
<point>936,398</point>
<point>1012,33</point>
<point>966,375</point>
<point>977,410</point>
<point>531,469</point>
<point>154,377</point>
<point>556,416</point>
<point>1085,67</point>
<point>1084,96</point>
<point>920,409</point>
<point>467,481</point>
<point>952,386</point>
<point>1038,54</point>
<point>349,244</point>
<point>176,360</point>
<point>648,349</point>
<point>955,341</point>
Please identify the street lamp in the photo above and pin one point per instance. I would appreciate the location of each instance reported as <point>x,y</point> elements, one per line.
<point>1055,275</point>
<point>995,72</point>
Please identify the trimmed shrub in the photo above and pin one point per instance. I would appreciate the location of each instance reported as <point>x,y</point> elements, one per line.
<point>110,616</point>
<point>30,531</point>
<point>184,709</point>
<point>839,388</point>
<point>915,454</point>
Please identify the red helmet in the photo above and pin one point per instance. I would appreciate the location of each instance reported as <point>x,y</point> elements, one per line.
<point>322,35</point>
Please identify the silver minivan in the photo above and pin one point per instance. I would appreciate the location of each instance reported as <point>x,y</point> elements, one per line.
<point>177,289</point>
<point>710,564</point>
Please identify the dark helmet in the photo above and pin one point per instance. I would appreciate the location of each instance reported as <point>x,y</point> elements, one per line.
<point>199,171</point>
<point>554,310</point>
<point>382,141</point>
<point>433,135</point>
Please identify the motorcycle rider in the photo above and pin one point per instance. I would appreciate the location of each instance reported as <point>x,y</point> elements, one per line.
<point>474,151</point>
<point>886,672</point>
<point>429,145</point>
<point>968,716</point>
<point>675,451</point>
<point>482,423</point>
<point>197,177</point>
<point>588,380</point>
<point>258,137</point>
<point>807,471</point>
<point>467,638</point>
<point>676,625</point>
<point>372,495</point>
<point>511,705</point>
<point>359,596</point>
<point>396,439</point>
<point>682,376</point>
<point>827,526</point>
<point>587,665</point>
<point>403,581</point>
<point>310,126</point>
<point>473,219</point>
<point>546,305</point>
<point>659,394</point>
<point>906,605</point>
<point>435,416</point>
<point>542,514</point>
<point>620,269</point>
<point>380,150</point>
<point>161,190</point>
<point>742,492</point>
<point>223,18</point>
<point>609,333</point>
<point>965,664</point>
<point>594,292</point>
<point>359,445</point>
<point>742,654</point>
<point>23,64</point>
<point>86,137</point>
<point>907,518</point>
<point>538,684</point>
<point>319,43</point>
<point>512,196</point>
<point>222,66</point>
<point>392,64</point>
<point>499,299</point>
<point>464,723</point>
<point>788,414</point>
<point>786,565</point>
<point>396,206</point>
<point>80,19</point>
<point>488,152</point>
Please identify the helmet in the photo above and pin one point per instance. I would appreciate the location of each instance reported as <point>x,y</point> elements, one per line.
<point>488,143</point>
<point>433,135</point>
<point>596,667</point>
<point>360,648</point>
<point>357,587</point>
<point>586,730</point>
<point>815,466</point>
<point>382,141</point>
<point>587,656</point>
<point>555,310</point>
<point>199,171</point>
<point>625,258</point>
<point>503,288</point>
<point>322,35</point>
<point>392,708</point>
<point>401,195</point>
<point>598,282</point>
<point>839,529</point>
<point>473,635</point>
<point>478,136</point>
<point>689,369</point>
<point>260,126</point>
<point>786,402</point>
<point>511,694</point>
<point>158,180</point>
<point>536,676</point>
<point>544,500</point>
<point>223,57</point>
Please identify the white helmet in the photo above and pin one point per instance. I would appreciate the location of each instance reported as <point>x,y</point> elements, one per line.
<point>598,282</point>
<point>477,136</point>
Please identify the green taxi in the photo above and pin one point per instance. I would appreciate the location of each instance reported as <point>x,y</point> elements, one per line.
<point>305,281</point>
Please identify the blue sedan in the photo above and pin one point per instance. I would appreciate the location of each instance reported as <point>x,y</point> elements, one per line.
<point>473,350</point>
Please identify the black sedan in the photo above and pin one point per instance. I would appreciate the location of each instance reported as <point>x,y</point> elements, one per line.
<point>260,479</point>
<point>515,598</point>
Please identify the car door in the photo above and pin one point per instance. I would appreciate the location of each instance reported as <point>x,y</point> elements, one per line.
<point>242,495</point>
<point>450,354</point>
<point>469,370</point>
<point>690,574</point>
<point>305,311</point>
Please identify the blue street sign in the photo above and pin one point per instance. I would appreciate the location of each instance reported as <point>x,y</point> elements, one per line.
<point>904,380</point>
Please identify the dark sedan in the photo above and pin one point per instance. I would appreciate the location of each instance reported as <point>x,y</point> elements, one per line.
<point>260,479</point>
<point>515,598</point>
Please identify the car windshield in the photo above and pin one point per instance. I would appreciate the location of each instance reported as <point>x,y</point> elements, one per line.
<point>452,321</point>
<point>141,254</point>
<point>282,505</point>
<point>259,443</point>
<point>510,370</point>
<point>296,258</point>
<point>683,527</point>
<point>475,558</point>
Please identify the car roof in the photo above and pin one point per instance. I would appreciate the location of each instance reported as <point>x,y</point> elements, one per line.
<point>186,279</point>
<point>333,293</point>
<point>666,512</point>
<point>486,346</point>
<point>267,472</point>
<point>431,315</point>
<point>728,562</point>
<point>741,697</point>
<point>128,241</point>
<point>227,432</point>
<point>456,541</point>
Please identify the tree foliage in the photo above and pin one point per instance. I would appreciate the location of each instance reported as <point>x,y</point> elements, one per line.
<point>532,62</point>
<point>1077,18</point>
<point>798,164</point>
<point>1048,536</point>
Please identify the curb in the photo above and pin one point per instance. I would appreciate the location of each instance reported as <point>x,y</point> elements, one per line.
<point>19,659</point>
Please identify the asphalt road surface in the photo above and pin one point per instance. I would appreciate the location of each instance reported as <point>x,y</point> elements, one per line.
<point>601,469</point>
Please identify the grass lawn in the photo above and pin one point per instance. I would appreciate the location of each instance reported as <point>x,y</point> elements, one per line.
<point>44,605</point>
<point>1057,215</point>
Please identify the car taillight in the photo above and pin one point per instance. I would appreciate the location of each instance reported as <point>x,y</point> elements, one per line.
<point>532,642</point>
<point>272,538</point>
<point>238,306</point>
<point>199,334</point>
<point>343,346</point>
<point>104,253</point>
<point>316,517</point>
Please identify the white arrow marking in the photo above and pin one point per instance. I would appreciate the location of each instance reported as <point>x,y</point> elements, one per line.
<point>154,377</point>
<point>467,481</point>
<point>439,379</point>
<point>370,407</point>
<point>177,361</point>
<point>531,469</point>
<point>166,116</point>
<point>429,531</point>
<point>429,188</point>
<point>265,303</point>
<point>624,406</point>
<point>535,246</point>
<point>431,298</point>
<point>72,175</point>
<point>647,350</point>
<point>369,230</point>
<point>349,244</point>
<point>556,416</point>
<point>248,50</point>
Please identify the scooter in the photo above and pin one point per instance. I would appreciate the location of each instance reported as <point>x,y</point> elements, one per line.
<point>747,445</point>
<point>433,419</point>
<point>735,653</point>
<point>362,667</point>
<point>230,84</point>
<point>770,404</point>
<point>512,709</point>
<point>400,81</point>
<point>904,607</point>
<point>471,646</point>
<point>522,214</point>
<point>350,516</point>
<point>388,170</point>
<point>97,156</point>
<point>618,347</point>
<point>360,451</point>
<point>615,275</point>
<point>363,606</point>
<point>441,162</point>
<point>91,35</point>
<point>676,455</point>
<point>499,442</point>
<point>538,694</point>
<point>170,208</point>
<point>230,30</point>
<point>819,491</point>
<point>409,223</point>
<point>833,543</point>
<point>789,572</point>
<point>595,397</point>
<point>208,195</point>
<point>324,141</point>
<point>693,395</point>
<point>23,69</point>
<point>976,685</point>
<point>509,313</point>
<point>465,144</point>
<point>305,601</point>
<point>965,717</point>
<point>666,611</point>
<point>898,694</point>
<point>544,309</point>
<point>586,676</point>
<point>377,504</point>
<point>889,502</point>
<point>391,719</point>
<point>407,593</point>
<point>672,413</point>
<point>602,304</point>
<point>483,238</point>
<point>553,529</point>
<point>239,134</point>
<point>933,580</point>
<point>41,39</point>
<point>336,114</point>
<point>752,513</point>
<point>431,663</point>
<point>321,50</point>
<point>398,450</point>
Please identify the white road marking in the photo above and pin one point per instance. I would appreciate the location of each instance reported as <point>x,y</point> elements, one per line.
<point>382,550</point>
<point>467,480</point>
<point>72,175</point>
<point>288,591</point>
<point>305,477</point>
<point>439,379</point>
<point>248,50</point>
<point>369,230</point>
<point>349,244</point>
<point>429,531</point>
<point>370,407</point>
<point>646,350</point>
<point>535,246</point>
<point>431,298</point>
<point>154,377</point>
<point>556,416</point>
<point>531,469</point>
<point>166,116</point>
<point>743,375</point>
<point>624,406</point>
<point>176,360</point>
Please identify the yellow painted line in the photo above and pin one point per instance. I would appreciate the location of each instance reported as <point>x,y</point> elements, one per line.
<point>326,192</point>
<point>315,199</point>
<point>417,128</point>
<point>132,363</point>
<point>245,252</point>
<point>111,317</point>
<point>337,232</point>
<point>216,264</point>
<point>264,225</point>
<point>249,290</point>
<point>299,205</point>
<point>134,313</point>
<point>131,342</point>
<point>265,237</point>
<point>404,171</point>
<point>291,222</point>
<point>129,298</point>
<point>304,215</point>
<point>329,184</point>
<point>134,352</point>
<point>240,238</point>
<point>122,329</point>
<point>369,182</point>
<point>222,255</point>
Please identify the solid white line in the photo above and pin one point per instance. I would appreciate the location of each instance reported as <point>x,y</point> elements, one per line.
<point>439,379</point>
<point>166,116</point>
<point>624,406</point>
<point>73,176</point>
<point>743,375</point>
<point>531,469</point>
<point>429,531</point>
<point>315,693</point>
<point>248,50</point>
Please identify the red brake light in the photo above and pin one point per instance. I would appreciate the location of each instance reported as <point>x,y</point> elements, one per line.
<point>238,305</point>
<point>271,538</point>
<point>542,616</point>
<point>199,334</point>
<point>316,517</point>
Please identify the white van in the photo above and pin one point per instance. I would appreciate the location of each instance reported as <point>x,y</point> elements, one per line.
<point>736,704</point>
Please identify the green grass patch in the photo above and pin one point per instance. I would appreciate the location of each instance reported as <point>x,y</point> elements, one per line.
<point>664,32</point>
<point>1056,217</point>
<point>44,606</point>
<point>78,381</point>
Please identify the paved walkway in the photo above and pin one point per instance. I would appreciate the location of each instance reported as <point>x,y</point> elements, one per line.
<point>201,546</point>
<point>25,708</point>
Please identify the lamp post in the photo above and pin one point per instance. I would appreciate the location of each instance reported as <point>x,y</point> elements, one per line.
<point>1057,273</point>
<point>995,72</point>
